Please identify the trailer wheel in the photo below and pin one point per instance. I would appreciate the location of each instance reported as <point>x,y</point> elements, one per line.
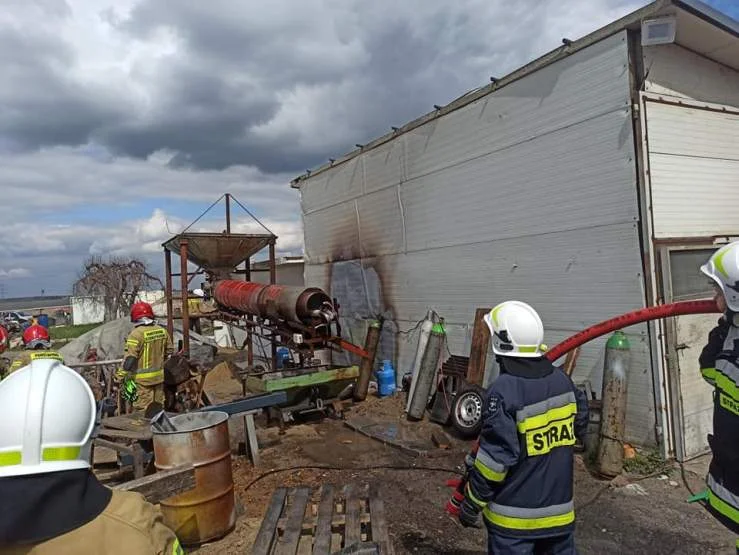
<point>467,410</point>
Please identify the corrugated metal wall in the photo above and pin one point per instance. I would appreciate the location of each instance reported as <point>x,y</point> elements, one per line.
<point>528,193</point>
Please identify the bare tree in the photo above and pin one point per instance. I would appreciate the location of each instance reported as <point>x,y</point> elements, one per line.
<point>115,280</point>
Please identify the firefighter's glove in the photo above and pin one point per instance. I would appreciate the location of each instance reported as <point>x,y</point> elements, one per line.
<point>468,514</point>
<point>129,391</point>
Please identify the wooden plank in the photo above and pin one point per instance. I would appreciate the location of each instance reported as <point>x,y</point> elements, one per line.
<point>378,522</point>
<point>352,528</point>
<point>288,543</point>
<point>251,438</point>
<point>132,422</point>
<point>265,536</point>
<point>337,522</point>
<point>322,543</point>
<point>479,348</point>
<point>162,485</point>
<point>571,361</point>
<point>125,434</point>
<point>118,447</point>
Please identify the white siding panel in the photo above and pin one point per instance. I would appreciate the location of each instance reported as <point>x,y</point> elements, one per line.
<point>380,223</point>
<point>675,71</point>
<point>541,103</point>
<point>694,169</point>
<point>338,185</point>
<point>534,188</point>
<point>382,166</point>
<point>331,233</point>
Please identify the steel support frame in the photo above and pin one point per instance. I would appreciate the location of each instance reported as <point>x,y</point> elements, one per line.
<point>187,277</point>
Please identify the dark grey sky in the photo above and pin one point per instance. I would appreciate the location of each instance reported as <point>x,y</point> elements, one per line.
<point>118,119</point>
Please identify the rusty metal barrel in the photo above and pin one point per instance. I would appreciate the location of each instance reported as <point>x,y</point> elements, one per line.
<point>208,511</point>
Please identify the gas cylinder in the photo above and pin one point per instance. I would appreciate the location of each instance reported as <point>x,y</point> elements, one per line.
<point>386,379</point>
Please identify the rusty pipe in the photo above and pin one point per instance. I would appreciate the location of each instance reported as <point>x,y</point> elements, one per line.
<point>274,301</point>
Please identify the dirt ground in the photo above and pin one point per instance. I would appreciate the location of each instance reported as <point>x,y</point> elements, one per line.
<point>650,516</point>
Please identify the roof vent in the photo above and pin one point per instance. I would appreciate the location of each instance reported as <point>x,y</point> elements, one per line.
<point>658,31</point>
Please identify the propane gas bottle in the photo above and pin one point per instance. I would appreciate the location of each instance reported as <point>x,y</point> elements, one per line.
<point>386,379</point>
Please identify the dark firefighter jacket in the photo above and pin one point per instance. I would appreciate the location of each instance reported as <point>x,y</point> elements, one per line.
<point>522,474</point>
<point>719,364</point>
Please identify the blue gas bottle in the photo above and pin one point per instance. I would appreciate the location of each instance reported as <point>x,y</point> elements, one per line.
<point>283,355</point>
<point>386,379</point>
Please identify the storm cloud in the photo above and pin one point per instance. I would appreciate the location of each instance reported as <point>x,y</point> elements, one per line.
<point>143,103</point>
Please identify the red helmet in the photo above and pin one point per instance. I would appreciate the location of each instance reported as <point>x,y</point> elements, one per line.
<point>36,335</point>
<point>141,310</point>
<point>3,339</point>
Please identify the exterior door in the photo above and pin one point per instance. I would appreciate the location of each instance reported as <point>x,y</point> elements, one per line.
<point>691,396</point>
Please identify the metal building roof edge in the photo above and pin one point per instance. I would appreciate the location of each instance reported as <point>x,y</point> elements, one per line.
<point>695,7</point>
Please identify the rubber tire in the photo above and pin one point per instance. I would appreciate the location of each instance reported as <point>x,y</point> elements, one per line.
<point>467,394</point>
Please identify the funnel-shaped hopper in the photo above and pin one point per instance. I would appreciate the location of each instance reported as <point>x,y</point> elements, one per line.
<point>219,252</point>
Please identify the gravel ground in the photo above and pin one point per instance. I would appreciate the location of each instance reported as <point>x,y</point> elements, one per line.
<point>633,515</point>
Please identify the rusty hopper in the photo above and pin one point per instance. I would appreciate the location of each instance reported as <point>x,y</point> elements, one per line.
<point>219,253</point>
<point>206,512</point>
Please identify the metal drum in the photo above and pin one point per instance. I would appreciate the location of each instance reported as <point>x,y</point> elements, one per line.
<point>207,511</point>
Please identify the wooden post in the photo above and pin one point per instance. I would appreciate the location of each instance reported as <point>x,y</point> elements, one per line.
<point>367,365</point>
<point>168,291</point>
<point>272,280</point>
<point>228,213</point>
<point>185,308</point>
<point>478,349</point>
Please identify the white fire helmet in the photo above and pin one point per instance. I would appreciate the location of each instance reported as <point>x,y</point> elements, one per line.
<point>723,268</point>
<point>47,414</point>
<point>516,330</point>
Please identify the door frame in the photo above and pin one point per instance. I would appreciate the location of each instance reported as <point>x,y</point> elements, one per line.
<point>669,337</point>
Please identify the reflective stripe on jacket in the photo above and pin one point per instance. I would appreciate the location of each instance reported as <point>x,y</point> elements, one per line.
<point>151,345</point>
<point>25,358</point>
<point>719,362</point>
<point>522,474</point>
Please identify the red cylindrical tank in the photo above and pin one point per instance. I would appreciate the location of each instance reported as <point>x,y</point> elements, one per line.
<point>289,303</point>
<point>238,295</point>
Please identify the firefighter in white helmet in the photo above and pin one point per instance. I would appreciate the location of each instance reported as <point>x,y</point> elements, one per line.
<point>719,363</point>
<point>51,501</point>
<point>521,475</point>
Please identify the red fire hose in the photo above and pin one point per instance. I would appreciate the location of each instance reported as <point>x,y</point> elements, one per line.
<point>629,319</point>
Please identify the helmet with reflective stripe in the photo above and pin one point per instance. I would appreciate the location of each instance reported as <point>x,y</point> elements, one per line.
<point>4,338</point>
<point>47,413</point>
<point>516,330</point>
<point>36,336</point>
<point>723,268</point>
<point>141,310</point>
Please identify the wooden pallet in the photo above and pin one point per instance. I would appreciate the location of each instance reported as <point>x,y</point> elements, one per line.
<point>301,521</point>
